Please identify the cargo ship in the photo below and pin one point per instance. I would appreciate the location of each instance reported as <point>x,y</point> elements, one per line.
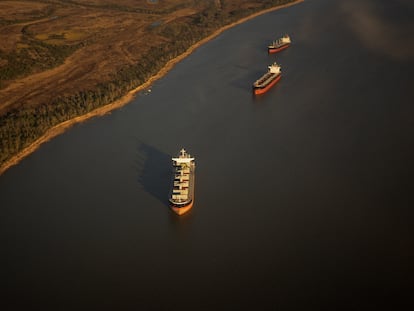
<point>269,79</point>
<point>279,44</point>
<point>182,192</point>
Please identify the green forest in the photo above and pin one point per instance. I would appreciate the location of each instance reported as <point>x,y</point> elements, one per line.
<point>21,127</point>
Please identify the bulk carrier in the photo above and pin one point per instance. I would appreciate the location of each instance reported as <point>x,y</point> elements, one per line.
<point>269,79</point>
<point>182,192</point>
<point>279,44</point>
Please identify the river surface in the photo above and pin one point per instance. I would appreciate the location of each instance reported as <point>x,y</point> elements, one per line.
<point>303,195</point>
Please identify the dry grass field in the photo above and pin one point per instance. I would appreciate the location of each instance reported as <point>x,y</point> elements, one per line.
<point>64,60</point>
<point>106,35</point>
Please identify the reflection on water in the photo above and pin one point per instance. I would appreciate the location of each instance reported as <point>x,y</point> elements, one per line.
<point>302,198</point>
<point>372,23</point>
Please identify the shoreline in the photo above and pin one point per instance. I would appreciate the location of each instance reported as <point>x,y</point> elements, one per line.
<point>62,127</point>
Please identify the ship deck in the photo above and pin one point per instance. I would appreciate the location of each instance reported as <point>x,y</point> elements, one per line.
<point>265,79</point>
<point>182,191</point>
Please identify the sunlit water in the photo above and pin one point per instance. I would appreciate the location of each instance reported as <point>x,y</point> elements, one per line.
<point>303,196</point>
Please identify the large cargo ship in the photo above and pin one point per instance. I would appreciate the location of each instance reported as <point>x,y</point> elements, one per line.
<point>182,192</point>
<point>269,79</point>
<point>279,44</point>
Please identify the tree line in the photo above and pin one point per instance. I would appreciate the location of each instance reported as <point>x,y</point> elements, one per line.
<point>22,126</point>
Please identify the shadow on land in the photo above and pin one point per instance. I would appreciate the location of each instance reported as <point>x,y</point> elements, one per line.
<point>154,171</point>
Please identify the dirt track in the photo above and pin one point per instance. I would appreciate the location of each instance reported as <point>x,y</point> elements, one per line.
<point>57,80</point>
<point>110,43</point>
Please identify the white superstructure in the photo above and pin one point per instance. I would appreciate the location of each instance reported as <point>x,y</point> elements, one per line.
<point>273,71</point>
<point>184,157</point>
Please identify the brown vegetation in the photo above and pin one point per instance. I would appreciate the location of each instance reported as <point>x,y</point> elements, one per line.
<point>61,59</point>
<point>109,39</point>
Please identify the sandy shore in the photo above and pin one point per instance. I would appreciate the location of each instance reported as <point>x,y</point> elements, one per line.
<point>61,127</point>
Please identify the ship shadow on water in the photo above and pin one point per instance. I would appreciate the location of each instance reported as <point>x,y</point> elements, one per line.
<point>245,81</point>
<point>154,171</point>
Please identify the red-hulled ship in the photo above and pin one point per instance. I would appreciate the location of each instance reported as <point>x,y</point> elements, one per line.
<point>269,79</point>
<point>182,193</point>
<point>279,44</point>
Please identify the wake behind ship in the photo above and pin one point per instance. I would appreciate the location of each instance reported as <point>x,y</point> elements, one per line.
<point>182,192</point>
<point>279,44</point>
<point>269,79</point>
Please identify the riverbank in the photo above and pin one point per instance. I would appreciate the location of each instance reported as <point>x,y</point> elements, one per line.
<point>60,128</point>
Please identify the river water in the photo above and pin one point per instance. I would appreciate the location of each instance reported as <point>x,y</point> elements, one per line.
<point>303,195</point>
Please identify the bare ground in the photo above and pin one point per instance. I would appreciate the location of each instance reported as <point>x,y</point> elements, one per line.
<point>93,63</point>
<point>112,37</point>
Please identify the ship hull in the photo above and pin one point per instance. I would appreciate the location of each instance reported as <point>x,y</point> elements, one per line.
<point>180,210</point>
<point>264,89</point>
<point>272,50</point>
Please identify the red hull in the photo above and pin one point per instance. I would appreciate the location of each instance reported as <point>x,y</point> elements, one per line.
<point>258,91</point>
<point>273,50</point>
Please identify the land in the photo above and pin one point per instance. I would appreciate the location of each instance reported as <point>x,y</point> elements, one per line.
<point>62,62</point>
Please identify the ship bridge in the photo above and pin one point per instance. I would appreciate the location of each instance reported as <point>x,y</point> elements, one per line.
<point>183,158</point>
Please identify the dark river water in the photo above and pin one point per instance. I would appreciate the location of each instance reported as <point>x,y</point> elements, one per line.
<point>304,196</point>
